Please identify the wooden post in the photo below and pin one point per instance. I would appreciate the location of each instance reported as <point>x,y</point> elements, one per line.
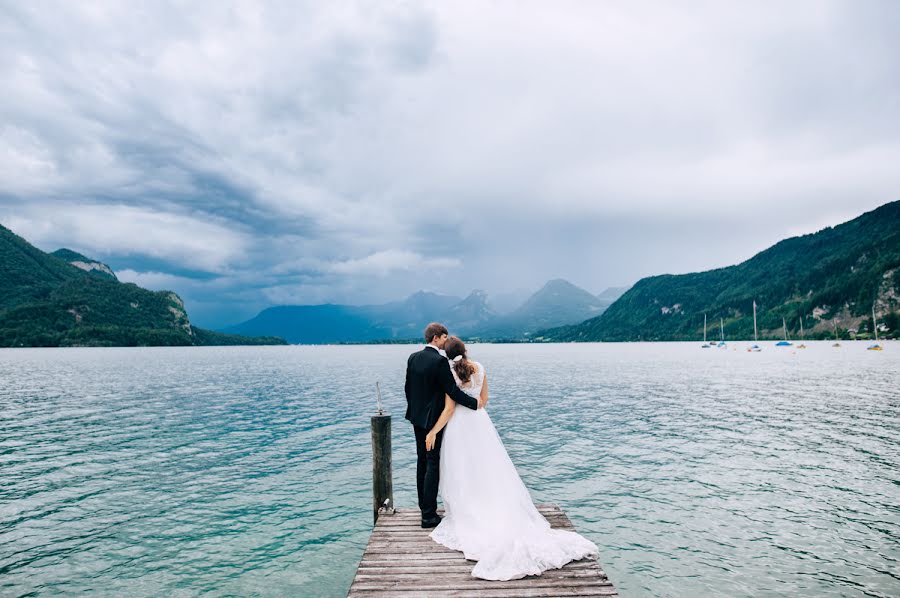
<point>382,476</point>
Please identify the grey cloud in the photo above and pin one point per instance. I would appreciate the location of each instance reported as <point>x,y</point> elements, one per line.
<point>521,141</point>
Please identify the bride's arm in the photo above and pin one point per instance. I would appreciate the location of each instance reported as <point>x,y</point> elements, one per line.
<point>446,414</point>
<point>484,393</point>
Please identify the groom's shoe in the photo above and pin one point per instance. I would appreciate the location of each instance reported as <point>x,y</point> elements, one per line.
<point>433,522</point>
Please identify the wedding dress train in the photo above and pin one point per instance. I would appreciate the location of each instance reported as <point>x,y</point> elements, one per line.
<point>489,515</point>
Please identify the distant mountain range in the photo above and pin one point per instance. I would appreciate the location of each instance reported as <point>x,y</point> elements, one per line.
<point>67,299</point>
<point>557,303</point>
<point>830,279</point>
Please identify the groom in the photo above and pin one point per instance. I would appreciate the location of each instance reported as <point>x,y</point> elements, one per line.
<point>428,379</point>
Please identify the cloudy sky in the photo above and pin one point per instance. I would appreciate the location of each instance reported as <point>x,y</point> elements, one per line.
<point>251,154</point>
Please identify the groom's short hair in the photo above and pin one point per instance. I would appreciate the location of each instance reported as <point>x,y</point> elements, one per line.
<point>434,329</point>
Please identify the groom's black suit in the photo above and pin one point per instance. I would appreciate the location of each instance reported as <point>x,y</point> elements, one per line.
<point>428,379</point>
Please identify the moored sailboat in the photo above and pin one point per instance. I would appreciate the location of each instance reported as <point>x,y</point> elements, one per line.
<point>785,342</point>
<point>722,344</point>
<point>876,346</point>
<point>754,348</point>
<point>705,344</point>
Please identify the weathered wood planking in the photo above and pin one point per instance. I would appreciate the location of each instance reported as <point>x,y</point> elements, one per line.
<point>401,560</point>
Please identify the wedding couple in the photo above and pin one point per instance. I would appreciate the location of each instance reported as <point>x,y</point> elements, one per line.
<point>489,515</point>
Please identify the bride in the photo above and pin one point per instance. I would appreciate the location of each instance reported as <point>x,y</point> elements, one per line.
<point>489,515</point>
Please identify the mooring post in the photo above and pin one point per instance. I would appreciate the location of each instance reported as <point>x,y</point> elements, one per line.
<point>382,476</point>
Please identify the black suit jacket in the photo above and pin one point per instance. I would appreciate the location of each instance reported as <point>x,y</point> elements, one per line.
<point>428,379</point>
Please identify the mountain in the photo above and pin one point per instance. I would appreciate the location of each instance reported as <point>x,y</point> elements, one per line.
<point>611,294</point>
<point>470,314</point>
<point>85,263</point>
<point>506,302</point>
<point>329,323</point>
<point>557,303</point>
<point>830,278</point>
<point>420,306</point>
<point>317,324</point>
<point>407,319</point>
<point>45,301</point>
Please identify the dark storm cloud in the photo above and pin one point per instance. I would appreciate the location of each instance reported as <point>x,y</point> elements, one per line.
<point>250,154</point>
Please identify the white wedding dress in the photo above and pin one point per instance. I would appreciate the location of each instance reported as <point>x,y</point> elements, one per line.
<point>489,515</point>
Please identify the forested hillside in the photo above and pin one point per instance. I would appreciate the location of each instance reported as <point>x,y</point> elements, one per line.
<point>831,279</point>
<point>47,302</point>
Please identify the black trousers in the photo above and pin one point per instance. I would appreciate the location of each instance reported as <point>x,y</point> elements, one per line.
<point>428,472</point>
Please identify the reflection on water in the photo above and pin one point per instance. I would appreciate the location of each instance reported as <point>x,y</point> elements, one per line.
<point>246,471</point>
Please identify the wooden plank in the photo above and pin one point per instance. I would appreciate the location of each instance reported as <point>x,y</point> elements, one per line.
<point>425,584</point>
<point>386,556</point>
<point>414,513</point>
<point>406,511</point>
<point>448,564</point>
<point>391,543</point>
<point>376,567</point>
<point>389,521</point>
<point>446,560</point>
<point>415,518</point>
<point>419,534</point>
<point>368,576</point>
<point>487,593</point>
<point>402,560</point>
<point>416,523</point>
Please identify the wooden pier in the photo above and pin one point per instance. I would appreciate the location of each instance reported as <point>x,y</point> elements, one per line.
<point>402,560</point>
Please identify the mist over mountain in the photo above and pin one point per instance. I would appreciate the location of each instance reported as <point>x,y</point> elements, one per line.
<point>556,303</point>
<point>611,294</point>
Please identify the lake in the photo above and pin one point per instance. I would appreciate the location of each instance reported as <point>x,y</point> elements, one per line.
<point>246,471</point>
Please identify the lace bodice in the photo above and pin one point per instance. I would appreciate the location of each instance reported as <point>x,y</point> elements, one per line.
<point>473,387</point>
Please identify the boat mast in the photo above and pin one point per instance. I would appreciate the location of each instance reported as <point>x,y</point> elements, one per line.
<point>722,329</point>
<point>704,329</point>
<point>801,328</point>
<point>755,336</point>
<point>874,323</point>
<point>784,327</point>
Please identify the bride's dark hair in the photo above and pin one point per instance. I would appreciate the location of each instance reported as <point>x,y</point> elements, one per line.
<point>464,368</point>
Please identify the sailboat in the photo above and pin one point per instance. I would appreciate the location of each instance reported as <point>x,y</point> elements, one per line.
<point>801,345</point>
<point>834,325</point>
<point>754,347</point>
<point>721,344</point>
<point>785,342</point>
<point>876,346</point>
<point>705,344</point>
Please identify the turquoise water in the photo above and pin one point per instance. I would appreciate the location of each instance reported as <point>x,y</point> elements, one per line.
<point>247,471</point>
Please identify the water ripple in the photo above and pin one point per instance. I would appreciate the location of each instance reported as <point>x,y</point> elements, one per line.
<point>246,471</point>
